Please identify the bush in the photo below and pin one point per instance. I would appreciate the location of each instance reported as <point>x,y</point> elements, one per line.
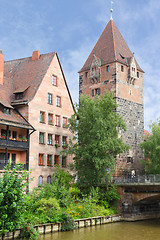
<point>68,223</point>
<point>12,198</point>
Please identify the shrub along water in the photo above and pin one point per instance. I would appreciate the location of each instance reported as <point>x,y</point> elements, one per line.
<point>59,201</point>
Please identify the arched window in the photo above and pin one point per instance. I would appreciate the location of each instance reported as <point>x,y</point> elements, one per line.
<point>40,180</point>
<point>49,179</point>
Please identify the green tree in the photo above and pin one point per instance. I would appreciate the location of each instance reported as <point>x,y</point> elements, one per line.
<point>151,148</point>
<point>97,141</point>
<point>12,198</point>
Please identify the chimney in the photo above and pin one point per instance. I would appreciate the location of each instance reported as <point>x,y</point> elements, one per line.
<point>35,55</point>
<point>1,67</point>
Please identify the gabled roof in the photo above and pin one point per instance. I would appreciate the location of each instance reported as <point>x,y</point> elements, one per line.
<point>23,76</point>
<point>26,75</point>
<point>110,47</point>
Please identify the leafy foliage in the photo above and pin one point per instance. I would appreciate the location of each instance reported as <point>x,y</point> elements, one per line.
<point>151,148</point>
<point>98,142</point>
<point>68,223</point>
<point>12,198</point>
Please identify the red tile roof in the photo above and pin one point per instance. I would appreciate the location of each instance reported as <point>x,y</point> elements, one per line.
<point>110,47</point>
<point>21,75</point>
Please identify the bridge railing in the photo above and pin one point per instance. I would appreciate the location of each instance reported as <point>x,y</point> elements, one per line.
<point>137,179</point>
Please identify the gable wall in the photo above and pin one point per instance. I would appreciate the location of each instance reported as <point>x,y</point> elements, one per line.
<point>39,103</point>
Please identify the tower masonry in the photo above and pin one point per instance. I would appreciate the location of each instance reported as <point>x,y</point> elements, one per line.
<point>112,66</point>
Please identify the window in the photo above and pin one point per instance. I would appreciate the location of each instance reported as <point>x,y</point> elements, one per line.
<point>97,90</point>
<point>56,159</point>
<point>50,118</point>
<point>49,160</point>
<point>129,159</point>
<point>58,101</point>
<point>41,159</point>
<point>64,122</point>
<point>57,120</point>
<point>57,140</point>
<point>54,80</point>
<point>50,142</point>
<point>41,138</point>
<point>137,74</point>
<point>40,180</point>
<point>64,161</point>
<point>18,96</point>
<point>42,117</point>
<point>7,111</point>
<point>3,133</point>
<point>14,134</point>
<point>92,92</point>
<point>50,98</point>
<point>107,68</point>
<point>122,68</point>
<point>86,74</point>
<point>64,140</point>
<point>49,179</point>
<point>13,158</point>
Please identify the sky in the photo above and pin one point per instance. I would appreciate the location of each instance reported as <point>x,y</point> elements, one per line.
<point>71,28</point>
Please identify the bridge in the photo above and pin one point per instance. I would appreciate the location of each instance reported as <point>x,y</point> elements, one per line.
<point>140,196</point>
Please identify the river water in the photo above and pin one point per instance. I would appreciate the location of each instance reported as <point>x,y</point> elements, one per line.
<point>140,230</point>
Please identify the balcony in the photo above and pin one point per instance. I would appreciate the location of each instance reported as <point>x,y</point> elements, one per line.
<point>3,163</point>
<point>16,144</point>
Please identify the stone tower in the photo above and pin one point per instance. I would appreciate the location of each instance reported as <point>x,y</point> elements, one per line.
<point>112,66</point>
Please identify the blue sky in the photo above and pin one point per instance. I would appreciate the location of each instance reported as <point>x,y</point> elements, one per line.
<point>72,28</point>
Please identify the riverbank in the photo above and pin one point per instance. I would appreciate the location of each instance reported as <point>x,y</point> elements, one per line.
<point>55,227</point>
<point>85,222</point>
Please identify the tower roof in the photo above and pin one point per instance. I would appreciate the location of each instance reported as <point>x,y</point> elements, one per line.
<point>110,47</point>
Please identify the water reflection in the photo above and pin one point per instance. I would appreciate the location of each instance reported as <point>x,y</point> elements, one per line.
<point>141,230</point>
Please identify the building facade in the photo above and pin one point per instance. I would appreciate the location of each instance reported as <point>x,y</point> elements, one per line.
<point>112,66</point>
<point>39,94</point>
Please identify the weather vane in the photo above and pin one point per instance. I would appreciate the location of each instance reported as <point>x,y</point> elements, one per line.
<point>111,10</point>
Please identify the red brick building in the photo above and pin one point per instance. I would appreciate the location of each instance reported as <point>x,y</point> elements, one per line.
<point>35,104</point>
<point>112,66</point>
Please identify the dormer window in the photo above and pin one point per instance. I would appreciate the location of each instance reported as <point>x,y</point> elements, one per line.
<point>18,96</point>
<point>7,110</point>
<point>122,68</point>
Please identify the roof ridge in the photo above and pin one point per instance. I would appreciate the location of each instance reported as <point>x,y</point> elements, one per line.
<point>113,40</point>
<point>18,59</point>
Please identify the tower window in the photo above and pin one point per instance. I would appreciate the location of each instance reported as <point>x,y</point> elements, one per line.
<point>97,90</point>
<point>137,74</point>
<point>86,74</point>
<point>122,68</point>
<point>129,159</point>
<point>7,111</point>
<point>92,92</point>
<point>107,68</point>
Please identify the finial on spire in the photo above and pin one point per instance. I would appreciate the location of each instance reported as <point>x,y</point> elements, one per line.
<point>111,10</point>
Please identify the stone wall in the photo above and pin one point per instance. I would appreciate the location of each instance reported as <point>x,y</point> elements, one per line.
<point>132,114</point>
